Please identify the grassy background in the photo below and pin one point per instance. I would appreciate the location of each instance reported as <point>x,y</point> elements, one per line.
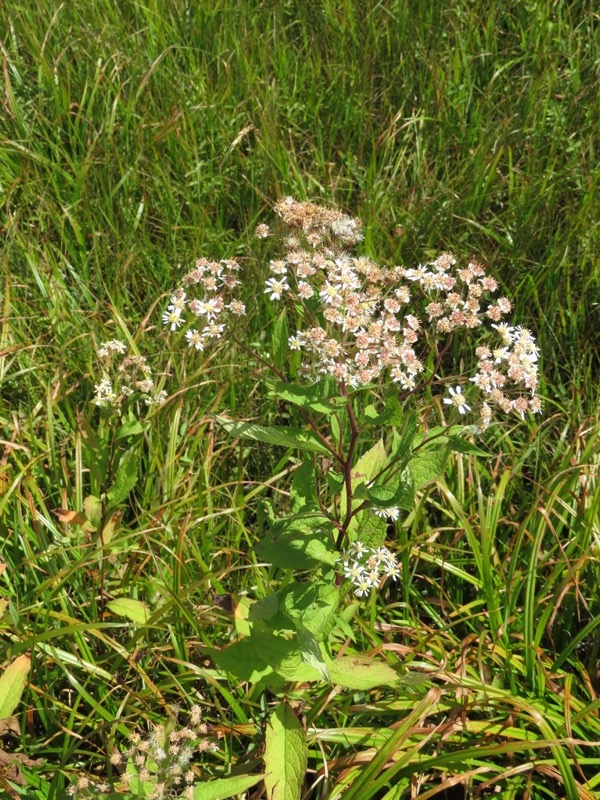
<point>136,137</point>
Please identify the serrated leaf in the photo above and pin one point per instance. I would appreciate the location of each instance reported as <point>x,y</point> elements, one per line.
<point>462,446</point>
<point>240,659</point>
<point>314,606</point>
<point>304,489</point>
<point>297,549</point>
<point>398,491</point>
<point>222,788</point>
<point>125,479</point>
<point>360,672</point>
<point>404,441</point>
<point>370,464</point>
<point>132,427</point>
<point>284,437</point>
<point>428,465</point>
<point>12,684</point>
<point>311,652</point>
<point>93,510</point>
<point>369,529</point>
<point>286,755</point>
<point>313,396</point>
<point>134,610</point>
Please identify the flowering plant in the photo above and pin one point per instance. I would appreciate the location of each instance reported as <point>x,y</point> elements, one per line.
<point>360,330</point>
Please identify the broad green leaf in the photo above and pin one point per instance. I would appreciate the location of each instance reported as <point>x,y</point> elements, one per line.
<point>460,445</point>
<point>286,755</point>
<point>282,651</point>
<point>370,464</point>
<point>222,788</point>
<point>397,491</point>
<point>240,616</point>
<point>365,470</point>
<point>403,442</point>
<point>297,549</point>
<point>125,479</point>
<point>12,684</point>
<point>360,672</point>
<point>312,653</point>
<point>93,510</point>
<point>314,396</point>
<point>266,655</point>
<point>133,427</point>
<point>428,465</point>
<point>284,437</point>
<point>369,529</point>
<point>240,659</point>
<point>393,414</point>
<point>264,609</point>
<point>304,488</point>
<point>279,341</point>
<point>335,481</point>
<point>134,610</point>
<point>314,606</point>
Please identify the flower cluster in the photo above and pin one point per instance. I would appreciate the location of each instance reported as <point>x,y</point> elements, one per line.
<point>124,377</point>
<point>363,320</point>
<point>365,567</point>
<point>216,279</point>
<point>158,766</point>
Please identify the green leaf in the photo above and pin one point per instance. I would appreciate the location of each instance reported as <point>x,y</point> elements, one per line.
<point>297,549</point>
<point>223,788</point>
<point>12,684</point>
<point>282,651</point>
<point>397,491</point>
<point>125,479</point>
<point>240,659</point>
<point>428,465</point>
<point>280,341</point>
<point>360,672</point>
<point>286,755</point>
<point>335,481</point>
<point>312,653</point>
<point>134,610</point>
<point>404,441</point>
<point>93,510</point>
<point>460,445</point>
<point>370,464</point>
<point>304,486</point>
<point>314,396</point>
<point>393,414</point>
<point>284,437</point>
<point>133,427</point>
<point>313,606</point>
<point>369,529</point>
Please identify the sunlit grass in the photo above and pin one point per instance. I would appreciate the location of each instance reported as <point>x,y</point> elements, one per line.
<point>136,137</point>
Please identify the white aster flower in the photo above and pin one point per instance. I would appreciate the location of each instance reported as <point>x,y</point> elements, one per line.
<point>363,586</point>
<point>457,399</point>
<point>173,319</point>
<point>392,513</point>
<point>275,288</point>
<point>194,338</point>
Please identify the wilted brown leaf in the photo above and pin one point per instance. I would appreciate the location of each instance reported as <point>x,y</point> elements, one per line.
<point>10,725</point>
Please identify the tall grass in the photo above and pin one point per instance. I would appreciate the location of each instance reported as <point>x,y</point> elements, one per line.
<point>136,136</point>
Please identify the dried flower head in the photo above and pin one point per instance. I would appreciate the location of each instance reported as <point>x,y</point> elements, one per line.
<point>364,321</point>
<point>161,759</point>
<point>210,304</point>
<point>124,376</point>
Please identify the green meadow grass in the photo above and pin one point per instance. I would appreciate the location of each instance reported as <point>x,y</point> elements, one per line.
<point>137,136</point>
